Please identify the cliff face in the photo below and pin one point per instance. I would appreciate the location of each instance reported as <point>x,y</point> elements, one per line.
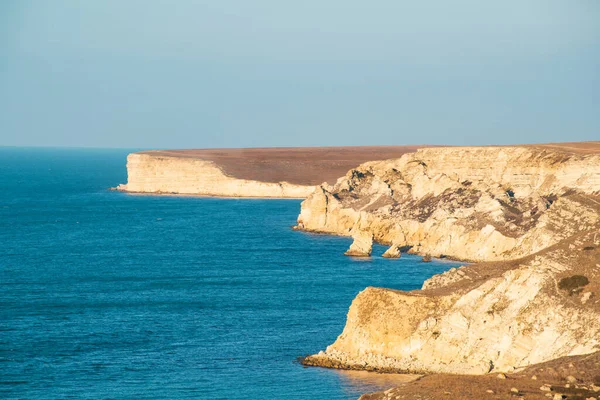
<point>148,173</point>
<point>529,216</point>
<point>478,204</point>
<point>256,172</point>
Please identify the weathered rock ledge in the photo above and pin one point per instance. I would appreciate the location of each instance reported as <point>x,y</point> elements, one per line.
<point>530,219</point>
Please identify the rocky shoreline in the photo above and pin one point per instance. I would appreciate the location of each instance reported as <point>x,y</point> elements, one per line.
<point>526,218</point>
<point>529,219</point>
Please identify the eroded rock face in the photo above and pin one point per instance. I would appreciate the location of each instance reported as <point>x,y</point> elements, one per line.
<point>476,204</point>
<point>526,215</point>
<point>362,246</point>
<point>159,174</point>
<point>394,251</point>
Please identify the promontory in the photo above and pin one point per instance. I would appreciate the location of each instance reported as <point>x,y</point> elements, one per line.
<point>527,218</point>
<point>257,172</point>
<point>520,319</point>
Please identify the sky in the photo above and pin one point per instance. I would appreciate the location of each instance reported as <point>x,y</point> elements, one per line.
<point>266,73</point>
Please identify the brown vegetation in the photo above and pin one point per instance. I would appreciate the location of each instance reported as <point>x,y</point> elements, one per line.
<point>298,165</point>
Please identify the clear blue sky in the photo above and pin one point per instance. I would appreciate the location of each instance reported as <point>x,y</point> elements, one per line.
<point>247,73</point>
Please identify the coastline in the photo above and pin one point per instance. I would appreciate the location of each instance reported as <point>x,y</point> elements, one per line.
<point>160,194</point>
<point>440,258</point>
<point>512,213</point>
<point>525,218</point>
<point>258,173</point>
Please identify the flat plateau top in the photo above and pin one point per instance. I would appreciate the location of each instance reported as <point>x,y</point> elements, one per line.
<point>298,165</point>
<point>582,148</point>
<point>315,165</point>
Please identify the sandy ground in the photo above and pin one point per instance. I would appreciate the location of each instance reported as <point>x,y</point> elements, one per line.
<point>571,378</point>
<point>572,147</point>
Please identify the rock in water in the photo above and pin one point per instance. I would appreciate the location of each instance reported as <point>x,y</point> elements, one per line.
<point>392,252</point>
<point>362,246</point>
<point>426,258</point>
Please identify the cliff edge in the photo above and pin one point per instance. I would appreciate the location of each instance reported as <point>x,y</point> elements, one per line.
<point>528,216</point>
<point>268,172</point>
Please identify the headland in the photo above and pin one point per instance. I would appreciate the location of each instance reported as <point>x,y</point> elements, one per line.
<point>257,172</point>
<point>524,312</point>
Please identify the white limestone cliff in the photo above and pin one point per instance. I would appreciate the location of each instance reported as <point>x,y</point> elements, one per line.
<point>159,174</point>
<point>529,217</point>
<point>477,204</point>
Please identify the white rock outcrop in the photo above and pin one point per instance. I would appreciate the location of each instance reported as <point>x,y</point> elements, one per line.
<point>394,251</point>
<point>529,217</point>
<point>362,245</point>
<point>159,174</point>
<point>475,204</point>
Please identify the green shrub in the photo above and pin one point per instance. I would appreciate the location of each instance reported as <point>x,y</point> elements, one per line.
<point>573,282</point>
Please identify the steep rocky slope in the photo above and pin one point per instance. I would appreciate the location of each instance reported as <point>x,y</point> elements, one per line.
<point>530,217</point>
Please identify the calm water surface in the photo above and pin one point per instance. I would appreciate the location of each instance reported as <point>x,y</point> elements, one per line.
<point>108,295</point>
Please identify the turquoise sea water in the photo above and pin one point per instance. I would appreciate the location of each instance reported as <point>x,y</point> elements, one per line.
<point>108,295</point>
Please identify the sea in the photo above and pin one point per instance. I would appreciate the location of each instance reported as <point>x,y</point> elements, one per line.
<point>107,295</point>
